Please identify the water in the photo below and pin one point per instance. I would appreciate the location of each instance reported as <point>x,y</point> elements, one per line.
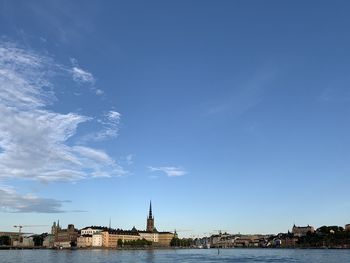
<point>180,255</point>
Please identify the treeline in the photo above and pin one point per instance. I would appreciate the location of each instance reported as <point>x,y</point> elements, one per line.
<point>37,240</point>
<point>5,241</point>
<point>134,243</point>
<point>326,236</point>
<point>184,242</point>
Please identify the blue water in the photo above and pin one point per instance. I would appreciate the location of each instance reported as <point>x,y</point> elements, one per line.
<point>181,255</point>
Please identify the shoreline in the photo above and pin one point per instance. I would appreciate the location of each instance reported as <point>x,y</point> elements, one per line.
<point>171,248</point>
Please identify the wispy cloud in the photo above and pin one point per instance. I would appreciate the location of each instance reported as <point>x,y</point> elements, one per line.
<point>11,201</point>
<point>82,76</point>
<point>171,171</point>
<point>99,92</point>
<point>109,123</point>
<point>33,139</point>
<point>244,97</point>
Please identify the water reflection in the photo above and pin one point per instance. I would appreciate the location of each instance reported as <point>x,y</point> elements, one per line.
<point>181,255</point>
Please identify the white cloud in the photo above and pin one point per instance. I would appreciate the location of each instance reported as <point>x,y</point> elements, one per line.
<point>34,140</point>
<point>11,201</point>
<point>99,92</point>
<point>22,79</point>
<point>82,76</point>
<point>110,127</point>
<point>170,171</point>
<point>113,115</point>
<point>93,154</point>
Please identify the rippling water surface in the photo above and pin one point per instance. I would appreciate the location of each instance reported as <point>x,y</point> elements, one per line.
<point>181,255</point>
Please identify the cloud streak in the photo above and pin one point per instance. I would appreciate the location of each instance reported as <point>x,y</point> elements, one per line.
<point>244,98</point>
<point>170,171</point>
<point>11,201</point>
<point>109,122</point>
<point>82,76</point>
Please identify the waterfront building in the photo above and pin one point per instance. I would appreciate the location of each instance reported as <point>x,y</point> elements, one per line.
<point>164,239</point>
<point>150,236</point>
<point>14,236</point>
<point>49,241</point>
<point>84,241</point>
<point>300,231</point>
<point>91,236</point>
<point>27,242</point>
<point>110,237</point>
<point>90,230</point>
<point>97,239</point>
<point>64,237</point>
<point>94,240</point>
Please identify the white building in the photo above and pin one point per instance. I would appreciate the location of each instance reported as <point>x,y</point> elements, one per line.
<point>97,240</point>
<point>91,230</point>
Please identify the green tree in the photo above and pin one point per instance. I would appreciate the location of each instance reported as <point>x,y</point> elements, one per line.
<point>38,241</point>
<point>5,241</point>
<point>120,243</point>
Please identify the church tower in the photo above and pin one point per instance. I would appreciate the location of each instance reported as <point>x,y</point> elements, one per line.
<point>150,219</point>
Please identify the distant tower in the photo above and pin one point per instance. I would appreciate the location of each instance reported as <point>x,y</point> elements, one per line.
<point>53,228</point>
<point>150,219</point>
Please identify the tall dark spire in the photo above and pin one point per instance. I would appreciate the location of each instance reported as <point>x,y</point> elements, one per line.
<point>150,219</point>
<point>150,210</point>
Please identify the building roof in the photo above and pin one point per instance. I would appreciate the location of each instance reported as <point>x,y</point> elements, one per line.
<point>95,227</point>
<point>122,232</point>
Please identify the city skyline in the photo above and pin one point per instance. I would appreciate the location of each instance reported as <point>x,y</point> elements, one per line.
<point>228,116</point>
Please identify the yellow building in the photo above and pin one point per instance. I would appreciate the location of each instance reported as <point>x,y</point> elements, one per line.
<point>164,238</point>
<point>149,236</point>
<point>110,237</point>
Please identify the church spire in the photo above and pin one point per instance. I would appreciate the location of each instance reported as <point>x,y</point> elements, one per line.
<point>150,219</point>
<point>150,210</point>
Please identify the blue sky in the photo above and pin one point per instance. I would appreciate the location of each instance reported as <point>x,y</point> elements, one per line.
<point>229,115</point>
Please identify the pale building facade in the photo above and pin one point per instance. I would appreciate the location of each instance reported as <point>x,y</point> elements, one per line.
<point>49,241</point>
<point>97,240</point>
<point>90,230</point>
<point>110,237</point>
<point>149,236</point>
<point>84,241</point>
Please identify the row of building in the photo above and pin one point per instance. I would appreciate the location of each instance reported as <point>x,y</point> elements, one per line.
<point>106,237</point>
<point>226,240</point>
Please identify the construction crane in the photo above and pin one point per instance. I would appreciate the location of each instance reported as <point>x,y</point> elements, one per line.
<point>20,229</point>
